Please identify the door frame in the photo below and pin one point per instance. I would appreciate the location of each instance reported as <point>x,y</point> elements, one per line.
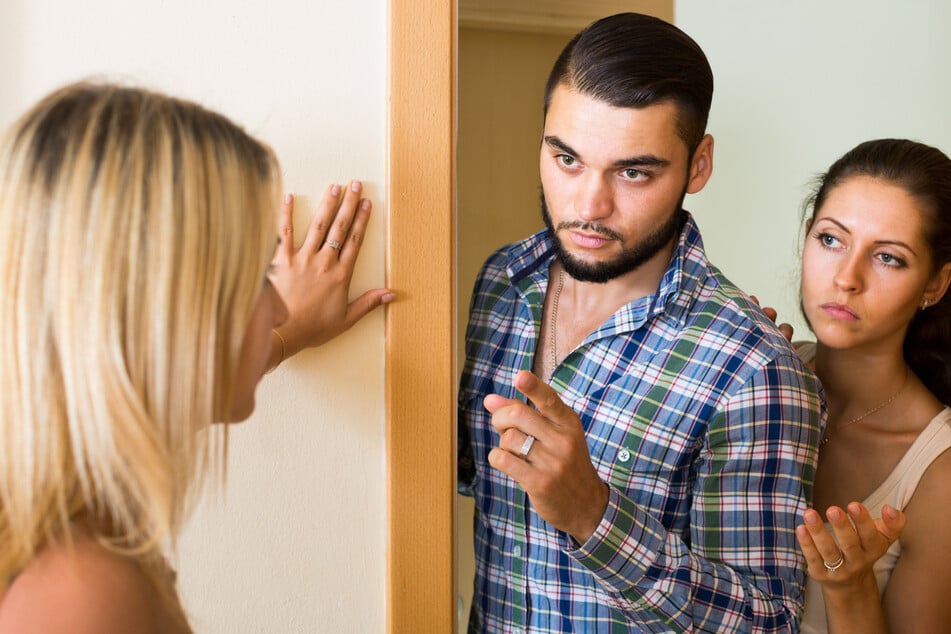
<point>420,327</point>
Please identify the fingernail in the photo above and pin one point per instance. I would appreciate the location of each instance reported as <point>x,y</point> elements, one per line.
<point>889,512</point>
<point>288,198</point>
<point>389,297</point>
<point>834,515</point>
<point>335,189</point>
<point>355,186</point>
<point>364,205</point>
<point>811,519</point>
<point>855,510</point>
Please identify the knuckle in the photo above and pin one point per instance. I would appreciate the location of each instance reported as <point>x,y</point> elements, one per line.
<point>508,436</point>
<point>520,412</point>
<point>551,402</point>
<point>499,459</point>
<point>510,414</point>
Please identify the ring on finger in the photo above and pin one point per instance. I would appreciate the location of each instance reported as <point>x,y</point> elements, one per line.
<point>333,244</point>
<point>526,446</point>
<point>835,565</point>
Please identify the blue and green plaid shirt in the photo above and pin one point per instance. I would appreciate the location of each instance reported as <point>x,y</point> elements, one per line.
<point>701,419</point>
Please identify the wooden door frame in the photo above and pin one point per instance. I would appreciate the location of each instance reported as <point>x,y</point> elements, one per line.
<point>420,327</point>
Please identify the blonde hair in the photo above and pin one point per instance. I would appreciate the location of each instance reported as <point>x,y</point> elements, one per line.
<point>135,234</point>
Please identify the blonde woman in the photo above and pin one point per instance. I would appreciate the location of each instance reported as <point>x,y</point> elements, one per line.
<point>141,303</point>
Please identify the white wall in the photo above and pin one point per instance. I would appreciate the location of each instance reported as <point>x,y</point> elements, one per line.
<point>297,541</point>
<point>797,84</point>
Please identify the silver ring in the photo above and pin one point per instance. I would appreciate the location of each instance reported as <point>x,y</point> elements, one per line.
<point>333,244</point>
<point>835,565</point>
<point>526,446</point>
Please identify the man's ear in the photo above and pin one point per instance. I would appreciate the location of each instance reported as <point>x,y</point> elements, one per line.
<point>701,165</point>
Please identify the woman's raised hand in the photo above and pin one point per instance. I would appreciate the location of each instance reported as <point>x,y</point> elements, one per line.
<point>314,279</point>
<point>846,559</point>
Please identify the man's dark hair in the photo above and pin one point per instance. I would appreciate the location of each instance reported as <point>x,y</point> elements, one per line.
<point>631,60</point>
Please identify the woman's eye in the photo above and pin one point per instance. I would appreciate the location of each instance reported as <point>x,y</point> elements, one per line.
<point>891,260</point>
<point>827,240</point>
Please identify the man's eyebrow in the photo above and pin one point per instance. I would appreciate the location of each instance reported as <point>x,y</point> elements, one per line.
<point>647,160</point>
<point>558,144</point>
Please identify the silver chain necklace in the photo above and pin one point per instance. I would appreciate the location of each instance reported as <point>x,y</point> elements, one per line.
<point>553,337</point>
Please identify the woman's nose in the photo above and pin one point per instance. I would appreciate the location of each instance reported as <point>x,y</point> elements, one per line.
<point>848,276</point>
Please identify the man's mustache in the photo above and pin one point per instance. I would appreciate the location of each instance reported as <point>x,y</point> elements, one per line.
<point>590,226</point>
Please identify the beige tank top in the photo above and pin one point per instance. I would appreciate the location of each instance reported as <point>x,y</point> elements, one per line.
<point>896,491</point>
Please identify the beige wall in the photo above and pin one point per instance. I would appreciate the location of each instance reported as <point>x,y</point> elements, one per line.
<point>297,542</point>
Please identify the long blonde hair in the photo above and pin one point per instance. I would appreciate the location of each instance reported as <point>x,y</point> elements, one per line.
<point>135,233</point>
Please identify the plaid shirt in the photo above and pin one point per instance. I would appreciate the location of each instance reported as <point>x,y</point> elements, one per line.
<point>701,419</point>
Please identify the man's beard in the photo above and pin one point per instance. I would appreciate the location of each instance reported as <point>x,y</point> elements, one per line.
<point>628,260</point>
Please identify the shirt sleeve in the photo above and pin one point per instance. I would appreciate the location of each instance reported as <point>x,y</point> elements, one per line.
<point>739,567</point>
<point>465,460</point>
<point>485,290</point>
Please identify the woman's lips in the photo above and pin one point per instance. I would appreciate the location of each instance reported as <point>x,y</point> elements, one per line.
<point>839,311</point>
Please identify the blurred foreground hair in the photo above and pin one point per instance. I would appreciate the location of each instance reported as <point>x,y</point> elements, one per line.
<point>135,233</point>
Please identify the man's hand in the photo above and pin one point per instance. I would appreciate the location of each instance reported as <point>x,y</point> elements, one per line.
<point>557,473</point>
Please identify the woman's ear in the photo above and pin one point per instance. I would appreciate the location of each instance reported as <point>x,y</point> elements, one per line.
<point>938,285</point>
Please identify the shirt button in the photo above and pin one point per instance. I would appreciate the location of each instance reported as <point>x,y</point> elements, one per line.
<point>624,455</point>
<point>517,551</point>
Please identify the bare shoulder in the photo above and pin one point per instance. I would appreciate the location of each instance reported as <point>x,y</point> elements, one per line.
<point>929,515</point>
<point>81,590</point>
<point>915,597</point>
